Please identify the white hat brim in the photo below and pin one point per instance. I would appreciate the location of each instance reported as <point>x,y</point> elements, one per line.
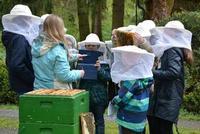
<point>90,42</point>
<point>178,29</point>
<point>10,16</point>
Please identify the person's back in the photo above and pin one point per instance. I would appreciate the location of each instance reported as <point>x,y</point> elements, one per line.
<point>50,58</point>
<point>172,45</point>
<point>20,27</point>
<point>18,61</point>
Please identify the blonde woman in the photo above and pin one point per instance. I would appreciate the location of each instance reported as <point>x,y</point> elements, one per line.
<point>50,58</point>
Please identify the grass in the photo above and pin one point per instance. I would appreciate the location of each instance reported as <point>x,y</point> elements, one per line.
<point>8,107</point>
<point>184,115</point>
<point>111,128</point>
<point>8,122</point>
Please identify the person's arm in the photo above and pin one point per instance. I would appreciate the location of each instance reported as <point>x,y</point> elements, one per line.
<point>142,43</point>
<point>73,57</point>
<point>146,46</point>
<point>62,68</point>
<point>104,73</point>
<point>126,92</point>
<point>18,60</point>
<point>174,66</point>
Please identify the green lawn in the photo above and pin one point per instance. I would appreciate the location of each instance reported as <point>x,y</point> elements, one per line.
<point>111,127</point>
<point>8,106</point>
<point>184,115</point>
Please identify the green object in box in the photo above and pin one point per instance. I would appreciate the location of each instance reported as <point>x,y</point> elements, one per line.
<point>39,128</point>
<point>53,108</point>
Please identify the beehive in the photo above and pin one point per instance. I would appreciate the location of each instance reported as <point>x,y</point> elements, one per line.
<point>39,128</point>
<point>53,107</point>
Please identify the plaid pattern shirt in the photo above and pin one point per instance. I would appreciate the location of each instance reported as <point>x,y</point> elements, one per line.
<point>132,103</point>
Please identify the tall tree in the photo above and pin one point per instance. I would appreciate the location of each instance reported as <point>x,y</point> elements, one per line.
<point>118,13</point>
<point>97,7</point>
<point>158,9</point>
<point>83,11</point>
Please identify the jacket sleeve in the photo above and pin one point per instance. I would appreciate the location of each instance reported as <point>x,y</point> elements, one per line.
<point>73,58</point>
<point>104,73</point>
<point>129,89</point>
<point>146,46</point>
<point>174,66</point>
<point>20,50</point>
<point>62,68</point>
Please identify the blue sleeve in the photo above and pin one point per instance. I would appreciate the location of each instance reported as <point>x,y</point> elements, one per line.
<point>20,57</point>
<point>62,68</point>
<point>130,88</point>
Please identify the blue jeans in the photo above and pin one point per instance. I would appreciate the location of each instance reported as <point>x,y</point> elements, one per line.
<point>98,112</point>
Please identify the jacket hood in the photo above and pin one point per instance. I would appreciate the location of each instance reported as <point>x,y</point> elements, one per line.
<point>42,44</point>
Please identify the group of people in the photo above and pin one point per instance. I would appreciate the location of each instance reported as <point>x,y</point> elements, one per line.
<point>147,65</point>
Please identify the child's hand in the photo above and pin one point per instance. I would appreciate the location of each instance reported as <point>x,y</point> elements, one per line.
<point>81,56</point>
<point>97,65</point>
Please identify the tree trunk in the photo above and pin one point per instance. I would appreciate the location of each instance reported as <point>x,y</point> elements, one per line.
<point>97,19</point>
<point>158,9</point>
<point>118,13</point>
<point>82,7</point>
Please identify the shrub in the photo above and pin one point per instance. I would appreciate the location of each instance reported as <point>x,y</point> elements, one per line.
<point>192,100</point>
<point>6,95</point>
<point>192,79</point>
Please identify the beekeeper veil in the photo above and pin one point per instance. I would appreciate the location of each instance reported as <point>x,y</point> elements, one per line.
<point>172,35</point>
<point>130,63</point>
<point>21,21</point>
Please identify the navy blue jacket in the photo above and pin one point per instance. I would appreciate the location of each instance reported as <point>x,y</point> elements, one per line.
<point>169,86</point>
<point>18,61</point>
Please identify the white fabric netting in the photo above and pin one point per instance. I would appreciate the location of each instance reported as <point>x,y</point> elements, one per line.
<point>163,38</point>
<point>130,63</point>
<point>23,25</point>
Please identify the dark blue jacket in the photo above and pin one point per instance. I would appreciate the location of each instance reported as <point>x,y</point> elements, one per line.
<point>169,86</point>
<point>98,88</point>
<point>18,61</point>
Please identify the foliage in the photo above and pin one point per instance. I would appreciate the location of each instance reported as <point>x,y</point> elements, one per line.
<point>185,115</point>
<point>6,95</point>
<point>192,23</point>
<point>192,100</point>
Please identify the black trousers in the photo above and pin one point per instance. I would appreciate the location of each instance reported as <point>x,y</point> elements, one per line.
<point>123,130</point>
<point>159,126</point>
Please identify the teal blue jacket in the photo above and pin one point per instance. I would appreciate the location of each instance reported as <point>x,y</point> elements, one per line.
<point>51,64</point>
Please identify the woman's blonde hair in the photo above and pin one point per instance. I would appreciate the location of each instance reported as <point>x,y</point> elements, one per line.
<point>54,27</point>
